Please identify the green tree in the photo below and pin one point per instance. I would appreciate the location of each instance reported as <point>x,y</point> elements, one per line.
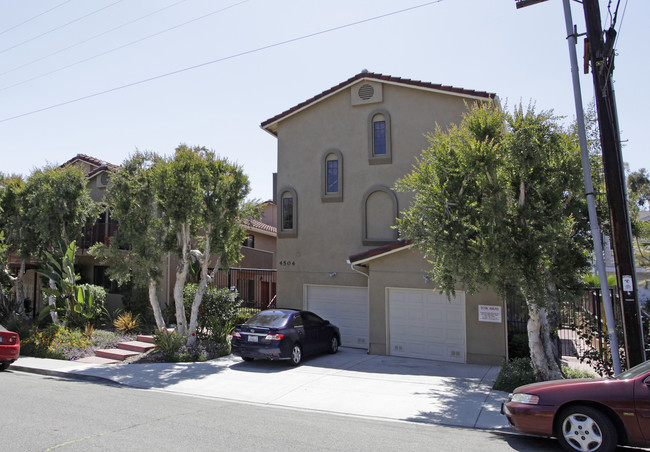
<point>56,204</point>
<point>201,198</point>
<point>638,189</point>
<point>498,201</point>
<point>12,224</point>
<point>136,251</point>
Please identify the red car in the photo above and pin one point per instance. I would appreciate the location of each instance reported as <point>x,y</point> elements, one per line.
<point>9,347</point>
<point>586,415</point>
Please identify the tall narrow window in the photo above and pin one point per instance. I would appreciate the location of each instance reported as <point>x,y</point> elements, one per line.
<point>332,176</point>
<point>379,138</point>
<point>288,213</point>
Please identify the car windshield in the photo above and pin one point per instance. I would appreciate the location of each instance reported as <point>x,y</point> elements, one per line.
<point>271,319</point>
<point>635,371</point>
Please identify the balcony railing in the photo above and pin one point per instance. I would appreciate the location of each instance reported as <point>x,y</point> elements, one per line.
<point>256,287</point>
<point>96,233</point>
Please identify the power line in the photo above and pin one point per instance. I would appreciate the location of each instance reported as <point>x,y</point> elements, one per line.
<point>120,47</point>
<point>91,38</point>
<point>218,60</point>
<point>35,17</point>
<point>60,26</point>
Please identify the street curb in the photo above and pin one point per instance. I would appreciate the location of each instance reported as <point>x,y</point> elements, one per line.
<point>67,374</point>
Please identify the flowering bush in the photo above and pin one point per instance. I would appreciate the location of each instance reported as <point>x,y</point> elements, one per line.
<point>70,344</point>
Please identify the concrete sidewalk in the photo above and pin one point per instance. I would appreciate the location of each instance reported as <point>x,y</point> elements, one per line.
<point>350,382</point>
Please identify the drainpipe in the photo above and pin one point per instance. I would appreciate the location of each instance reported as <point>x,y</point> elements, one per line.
<point>352,266</point>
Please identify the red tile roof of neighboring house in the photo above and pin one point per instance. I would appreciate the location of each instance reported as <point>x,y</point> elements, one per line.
<point>100,165</point>
<point>380,251</point>
<point>268,124</point>
<point>254,224</point>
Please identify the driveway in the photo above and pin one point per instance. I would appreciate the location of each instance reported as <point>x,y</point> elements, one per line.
<point>350,382</point>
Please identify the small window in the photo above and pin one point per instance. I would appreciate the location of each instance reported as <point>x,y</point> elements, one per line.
<point>288,213</point>
<point>379,138</point>
<point>332,176</point>
<point>250,241</point>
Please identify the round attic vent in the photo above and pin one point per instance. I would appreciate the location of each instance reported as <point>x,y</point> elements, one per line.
<point>366,91</point>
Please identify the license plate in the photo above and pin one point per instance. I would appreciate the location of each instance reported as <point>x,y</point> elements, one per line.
<point>252,338</point>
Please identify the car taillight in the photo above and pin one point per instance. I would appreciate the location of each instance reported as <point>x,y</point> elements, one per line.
<point>274,337</point>
<point>8,338</point>
<point>236,334</point>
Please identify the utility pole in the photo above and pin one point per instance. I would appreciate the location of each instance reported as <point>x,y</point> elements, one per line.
<point>602,65</point>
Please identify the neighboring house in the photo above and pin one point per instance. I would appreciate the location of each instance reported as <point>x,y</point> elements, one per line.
<point>339,156</point>
<point>254,276</point>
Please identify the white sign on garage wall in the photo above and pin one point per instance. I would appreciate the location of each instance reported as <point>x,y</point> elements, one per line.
<point>487,313</point>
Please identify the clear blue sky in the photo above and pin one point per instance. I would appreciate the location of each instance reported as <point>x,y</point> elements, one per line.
<point>70,52</point>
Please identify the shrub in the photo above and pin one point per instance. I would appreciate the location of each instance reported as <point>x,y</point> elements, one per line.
<point>70,344</point>
<point>217,313</point>
<point>244,314</point>
<point>95,313</point>
<point>56,343</point>
<point>168,343</point>
<point>127,322</point>
<point>570,372</point>
<point>514,373</point>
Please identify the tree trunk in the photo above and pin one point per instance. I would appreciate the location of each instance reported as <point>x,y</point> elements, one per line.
<point>20,289</point>
<point>181,275</point>
<point>204,259</point>
<point>51,301</point>
<point>541,349</point>
<point>155,304</point>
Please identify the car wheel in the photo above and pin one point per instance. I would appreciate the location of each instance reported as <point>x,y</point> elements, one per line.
<point>247,358</point>
<point>586,429</point>
<point>296,355</point>
<point>4,365</point>
<point>334,345</point>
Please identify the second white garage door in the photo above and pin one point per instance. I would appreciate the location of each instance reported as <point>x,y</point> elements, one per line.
<point>344,306</point>
<point>424,324</point>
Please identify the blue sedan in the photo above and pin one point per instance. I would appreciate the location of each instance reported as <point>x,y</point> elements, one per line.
<point>284,334</point>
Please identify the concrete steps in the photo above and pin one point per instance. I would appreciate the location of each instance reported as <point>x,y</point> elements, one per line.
<point>124,350</point>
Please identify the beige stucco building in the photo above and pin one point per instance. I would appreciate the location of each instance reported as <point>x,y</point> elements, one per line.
<point>339,156</point>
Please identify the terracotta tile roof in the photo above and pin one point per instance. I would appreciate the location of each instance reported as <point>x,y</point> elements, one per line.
<point>255,224</point>
<point>100,165</point>
<point>267,125</point>
<point>380,251</point>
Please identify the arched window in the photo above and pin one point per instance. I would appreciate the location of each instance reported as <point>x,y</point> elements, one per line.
<point>379,138</point>
<point>288,226</point>
<point>332,176</point>
<point>379,214</point>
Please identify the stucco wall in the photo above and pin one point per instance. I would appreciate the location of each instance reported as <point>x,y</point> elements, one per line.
<point>329,232</point>
<point>485,342</point>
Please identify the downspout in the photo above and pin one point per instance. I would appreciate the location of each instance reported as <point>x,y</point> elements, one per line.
<point>352,266</point>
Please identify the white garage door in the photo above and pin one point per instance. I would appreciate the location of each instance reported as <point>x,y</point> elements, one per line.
<point>345,307</point>
<point>424,324</point>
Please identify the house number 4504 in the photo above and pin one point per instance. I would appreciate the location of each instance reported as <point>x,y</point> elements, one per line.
<point>287,263</point>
